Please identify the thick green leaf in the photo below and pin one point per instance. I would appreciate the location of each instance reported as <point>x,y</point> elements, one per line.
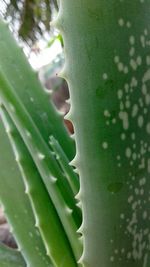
<point>46,218</point>
<point>18,209</point>
<point>107,47</point>
<point>60,192</point>
<point>10,257</point>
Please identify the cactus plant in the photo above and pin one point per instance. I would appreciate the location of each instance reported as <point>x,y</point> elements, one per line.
<point>107,67</point>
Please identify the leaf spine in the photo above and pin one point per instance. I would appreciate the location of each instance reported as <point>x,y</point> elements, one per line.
<point>63,73</point>
<point>41,156</point>
<point>53,179</point>
<point>74,162</point>
<point>69,116</point>
<point>76,170</point>
<point>79,205</point>
<point>68,210</point>
<point>81,261</point>
<point>68,101</point>
<point>81,229</point>
<point>78,196</point>
<point>72,136</point>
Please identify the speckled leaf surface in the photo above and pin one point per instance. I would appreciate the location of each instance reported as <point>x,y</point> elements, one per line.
<point>107,47</point>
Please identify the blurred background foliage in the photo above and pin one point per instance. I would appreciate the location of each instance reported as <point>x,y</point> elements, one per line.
<point>29,19</point>
<point>30,22</point>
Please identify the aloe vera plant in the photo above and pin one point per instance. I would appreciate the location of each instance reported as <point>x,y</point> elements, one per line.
<point>107,67</point>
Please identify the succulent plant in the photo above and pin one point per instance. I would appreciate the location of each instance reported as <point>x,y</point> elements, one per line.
<point>107,68</point>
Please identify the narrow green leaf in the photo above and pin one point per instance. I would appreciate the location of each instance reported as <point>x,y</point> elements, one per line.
<point>46,218</point>
<point>48,168</point>
<point>18,209</point>
<point>73,179</point>
<point>26,85</point>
